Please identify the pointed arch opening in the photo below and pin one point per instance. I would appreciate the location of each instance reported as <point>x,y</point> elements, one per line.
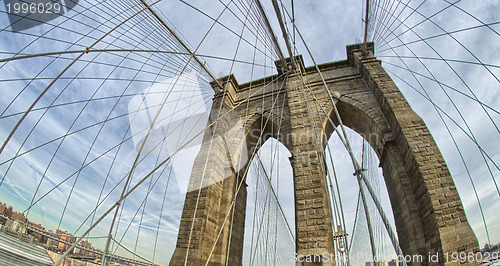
<point>270,213</point>
<point>350,213</point>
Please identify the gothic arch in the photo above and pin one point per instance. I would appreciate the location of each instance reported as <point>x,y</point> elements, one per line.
<point>427,209</point>
<point>364,119</point>
<point>428,212</point>
<point>260,128</point>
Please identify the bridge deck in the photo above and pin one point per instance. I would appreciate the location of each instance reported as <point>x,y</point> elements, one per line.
<point>13,251</point>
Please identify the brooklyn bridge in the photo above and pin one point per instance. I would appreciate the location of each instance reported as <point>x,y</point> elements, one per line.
<point>233,132</point>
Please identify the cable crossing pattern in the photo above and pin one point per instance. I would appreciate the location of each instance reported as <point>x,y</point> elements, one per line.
<point>115,115</point>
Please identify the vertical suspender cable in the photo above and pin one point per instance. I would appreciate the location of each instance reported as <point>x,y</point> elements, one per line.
<point>271,32</point>
<point>293,23</point>
<point>365,40</point>
<point>365,205</point>
<point>355,163</point>
<point>283,30</point>
<point>180,42</point>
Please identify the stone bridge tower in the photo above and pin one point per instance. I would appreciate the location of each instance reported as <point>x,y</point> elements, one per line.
<point>428,212</point>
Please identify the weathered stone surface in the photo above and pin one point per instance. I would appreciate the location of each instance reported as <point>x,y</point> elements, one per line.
<point>428,212</point>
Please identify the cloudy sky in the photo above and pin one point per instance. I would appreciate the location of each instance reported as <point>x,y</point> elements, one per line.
<point>81,133</point>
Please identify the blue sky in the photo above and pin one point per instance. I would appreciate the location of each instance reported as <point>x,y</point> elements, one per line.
<point>113,79</point>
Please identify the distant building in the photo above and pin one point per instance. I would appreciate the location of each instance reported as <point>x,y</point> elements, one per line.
<point>9,212</point>
<point>494,253</point>
<point>38,238</point>
<point>50,240</point>
<point>393,263</point>
<point>490,248</point>
<point>64,235</point>
<point>19,217</point>
<point>3,219</point>
<point>3,206</point>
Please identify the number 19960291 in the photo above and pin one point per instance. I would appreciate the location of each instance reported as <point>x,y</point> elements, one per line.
<point>33,8</point>
<point>463,257</point>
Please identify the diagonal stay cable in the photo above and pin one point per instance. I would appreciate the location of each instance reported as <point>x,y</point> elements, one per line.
<point>452,102</point>
<point>132,189</point>
<point>451,67</point>
<point>98,133</point>
<point>58,76</point>
<point>353,159</point>
<point>224,26</point>
<point>180,41</point>
<point>89,163</point>
<point>460,154</point>
<point>93,125</point>
<point>441,35</point>
<point>422,21</point>
<point>239,187</point>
